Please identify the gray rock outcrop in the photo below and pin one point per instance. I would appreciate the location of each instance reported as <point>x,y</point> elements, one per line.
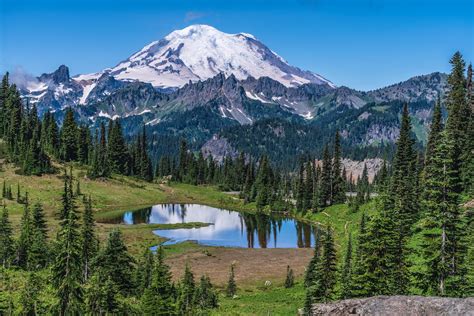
<point>398,305</point>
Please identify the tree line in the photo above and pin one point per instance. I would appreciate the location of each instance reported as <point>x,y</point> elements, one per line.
<point>420,240</point>
<point>74,273</point>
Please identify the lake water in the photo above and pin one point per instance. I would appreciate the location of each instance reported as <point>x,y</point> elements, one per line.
<point>228,228</point>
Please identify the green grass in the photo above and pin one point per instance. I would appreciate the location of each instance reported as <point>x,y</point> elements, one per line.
<point>276,300</point>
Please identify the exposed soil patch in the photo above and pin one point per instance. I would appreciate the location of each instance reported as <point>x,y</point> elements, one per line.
<point>252,266</point>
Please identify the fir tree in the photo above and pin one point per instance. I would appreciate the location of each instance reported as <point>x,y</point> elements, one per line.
<point>338,188</point>
<point>327,268</point>
<point>145,271</point>
<point>300,194</point>
<point>24,241</point>
<point>186,293</point>
<point>117,149</point>
<point>69,137</point>
<point>346,275</point>
<point>102,296</point>
<point>290,278</point>
<point>30,299</point>
<point>38,220</point>
<point>66,270</point>
<point>443,252</point>
<point>115,262</point>
<point>6,239</point>
<point>205,297</point>
<point>158,297</point>
<point>325,192</point>
<point>38,256</point>
<point>231,288</point>
<point>89,240</point>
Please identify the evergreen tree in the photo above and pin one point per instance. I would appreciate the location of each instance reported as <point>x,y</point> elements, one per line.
<point>24,241</point>
<point>6,239</point>
<point>325,192</point>
<point>117,149</point>
<point>38,253</point>
<point>301,190</point>
<point>327,268</point>
<point>30,299</point>
<point>205,296</point>
<point>145,271</point>
<point>186,293</point>
<point>436,128</point>
<point>158,297</point>
<point>338,188</point>
<point>264,183</point>
<point>377,262</point>
<point>89,240</point>
<point>443,252</point>
<point>102,296</point>
<point>66,270</point>
<point>69,137</point>
<point>115,262</point>
<point>231,288</point>
<point>346,275</point>
<point>38,220</point>
<point>290,278</point>
<point>311,271</point>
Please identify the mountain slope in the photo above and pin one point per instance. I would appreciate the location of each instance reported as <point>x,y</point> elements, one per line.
<point>200,52</point>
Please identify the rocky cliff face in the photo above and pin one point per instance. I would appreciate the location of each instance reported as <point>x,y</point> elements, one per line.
<point>398,305</point>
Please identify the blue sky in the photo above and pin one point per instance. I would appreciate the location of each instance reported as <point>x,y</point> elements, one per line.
<point>363,44</point>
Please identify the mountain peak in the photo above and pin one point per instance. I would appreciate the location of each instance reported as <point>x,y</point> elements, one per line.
<point>60,75</point>
<point>203,30</point>
<point>199,52</point>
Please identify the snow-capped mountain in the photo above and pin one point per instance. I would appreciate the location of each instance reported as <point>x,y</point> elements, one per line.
<point>200,52</point>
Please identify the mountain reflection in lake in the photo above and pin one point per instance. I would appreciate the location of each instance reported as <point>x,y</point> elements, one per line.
<point>229,228</point>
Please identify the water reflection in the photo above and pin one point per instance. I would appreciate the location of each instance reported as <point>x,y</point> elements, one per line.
<point>230,229</point>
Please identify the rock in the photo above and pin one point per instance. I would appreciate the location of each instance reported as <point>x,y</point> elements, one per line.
<point>219,148</point>
<point>398,305</point>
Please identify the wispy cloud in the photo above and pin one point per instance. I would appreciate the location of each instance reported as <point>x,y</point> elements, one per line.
<point>193,15</point>
<point>22,78</point>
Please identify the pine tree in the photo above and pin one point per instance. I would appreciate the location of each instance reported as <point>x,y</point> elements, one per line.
<point>38,220</point>
<point>116,262</point>
<point>158,297</point>
<point>346,275</point>
<point>145,271</point>
<point>38,256</point>
<point>325,186</point>
<point>264,183</point>
<point>89,240</point>
<point>401,205</point>
<point>436,128</point>
<point>231,288</point>
<point>30,299</point>
<point>442,251</point>
<point>117,149</point>
<point>24,241</point>
<point>205,297</point>
<point>6,239</point>
<point>311,271</point>
<point>186,293</point>
<point>301,190</point>
<point>68,137</point>
<point>327,268</point>
<point>290,278</point>
<point>66,270</point>
<point>338,188</point>
<point>102,296</point>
